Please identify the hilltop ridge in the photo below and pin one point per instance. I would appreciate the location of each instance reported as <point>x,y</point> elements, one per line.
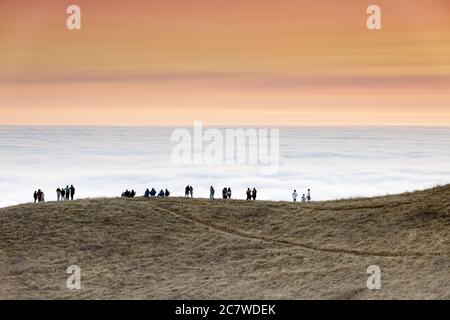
<point>177,248</point>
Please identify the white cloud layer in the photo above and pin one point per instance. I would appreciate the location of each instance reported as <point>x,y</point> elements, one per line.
<point>334,162</point>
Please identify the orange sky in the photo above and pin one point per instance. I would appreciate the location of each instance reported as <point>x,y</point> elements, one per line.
<point>233,62</point>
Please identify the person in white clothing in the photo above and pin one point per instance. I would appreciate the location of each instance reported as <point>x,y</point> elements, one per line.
<point>294,195</point>
<point>303,198</point>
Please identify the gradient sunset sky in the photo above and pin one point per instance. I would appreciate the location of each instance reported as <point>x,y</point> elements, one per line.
<point>234,62</point>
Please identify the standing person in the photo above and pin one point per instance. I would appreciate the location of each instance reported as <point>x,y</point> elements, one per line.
<point>35,196</point>
<point>308,196</point>
<point>39,195</point>
<point>72,191</point>
<point>186,191</point>
<point>224,193</point>
<point>67,191</point>
<point>42,197</point>
<point>167,193</point>
<point>211,192</point>
<point>249,194</point>
<point>58,194</point>
<point>191,191</point>
<point>303,198</point>
<point>294,195</point>
<point>63,194</point>
<point>229,193</point>
<point>254,194</point>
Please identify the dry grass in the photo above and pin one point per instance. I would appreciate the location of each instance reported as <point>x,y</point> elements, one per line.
<point>192,248</point>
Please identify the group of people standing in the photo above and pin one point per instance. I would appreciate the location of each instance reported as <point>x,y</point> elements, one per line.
<point>39,196</point>
<point>68,193</point>
<point>189,191</point>
<point>251,194</point>
<point>226,193</point>
<point>152,193</point>
<point>62,194</point>
<point>304,198</point>
<point>65,193</point>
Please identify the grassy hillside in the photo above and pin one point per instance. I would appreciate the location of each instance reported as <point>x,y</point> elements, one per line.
<point>196,248</point>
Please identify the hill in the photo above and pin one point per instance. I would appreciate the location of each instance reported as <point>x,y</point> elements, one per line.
<point>178,248</point>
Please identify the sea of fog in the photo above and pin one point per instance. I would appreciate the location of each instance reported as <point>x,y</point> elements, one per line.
<point>334,162</point>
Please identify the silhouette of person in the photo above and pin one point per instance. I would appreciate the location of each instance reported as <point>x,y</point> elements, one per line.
<point>67,192</point>
<point>229,193</point>
<point>39,195</point>
<point>35,196</point>
<point>72,192</point>
<point>254,194</point>
<point>211,192</point>
<point>249,194</point>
